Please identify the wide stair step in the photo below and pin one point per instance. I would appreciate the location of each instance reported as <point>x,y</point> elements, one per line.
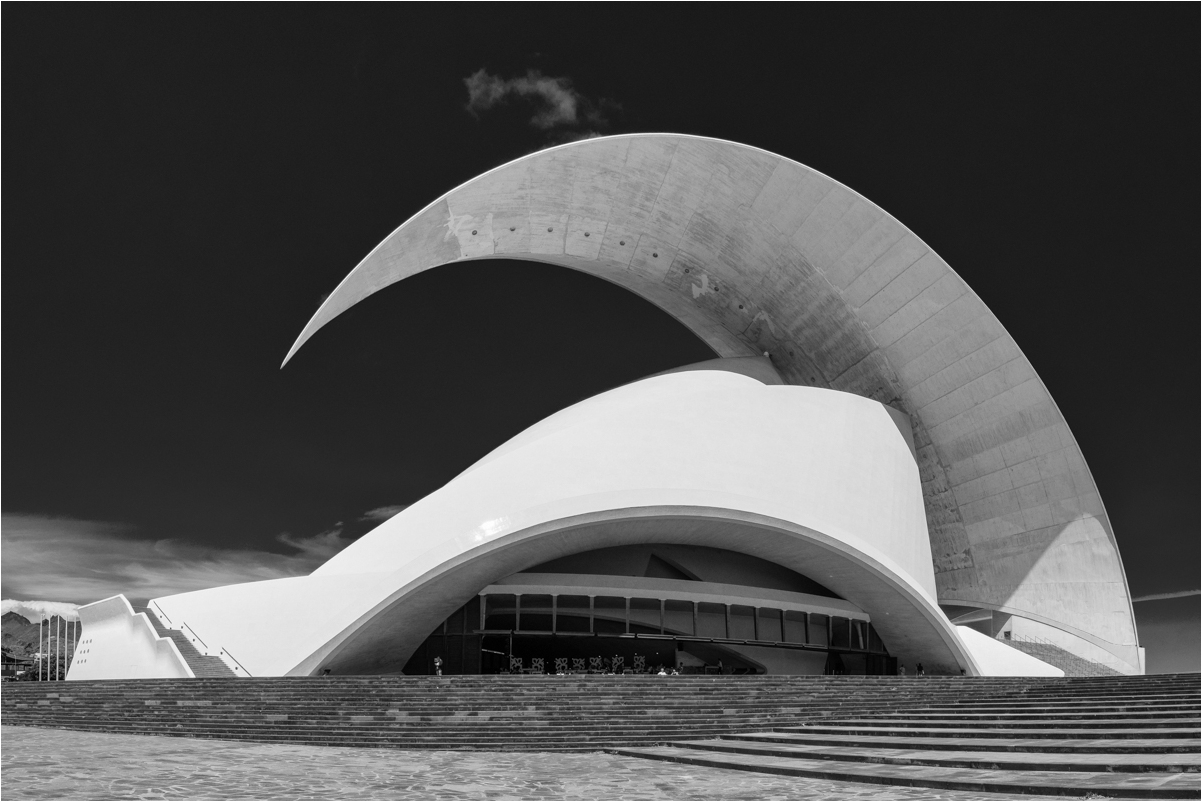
<point>1052,739</point>
<point>912,755</point>
<point>1131,785</point>
<point>1132,745</point>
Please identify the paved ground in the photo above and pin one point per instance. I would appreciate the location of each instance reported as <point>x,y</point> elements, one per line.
<point>40,763</point>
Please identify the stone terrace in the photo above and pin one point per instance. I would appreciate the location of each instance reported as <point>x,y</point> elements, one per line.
<point>1114,736</point>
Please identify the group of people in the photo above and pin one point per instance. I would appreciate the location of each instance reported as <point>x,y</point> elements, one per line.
<point>919,671</point>
<point>596,665</point>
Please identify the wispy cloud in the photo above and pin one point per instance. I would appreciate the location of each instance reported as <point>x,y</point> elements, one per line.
<point>1178,594</point>
<point>318,547</point>
<point>82,561</point>
<point>557,107</point>
<point>380,514</point>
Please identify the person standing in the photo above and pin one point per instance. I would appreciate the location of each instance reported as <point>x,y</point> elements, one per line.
<point>438,666</point>
<point>919,670</point>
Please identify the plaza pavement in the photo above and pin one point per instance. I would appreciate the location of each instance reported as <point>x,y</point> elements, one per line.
<point>38,763</point>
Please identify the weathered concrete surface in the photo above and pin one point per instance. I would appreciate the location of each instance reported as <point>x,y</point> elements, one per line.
<point>757,253</point>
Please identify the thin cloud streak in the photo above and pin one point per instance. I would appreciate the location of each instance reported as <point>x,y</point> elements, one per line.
<point>318,547</point>
<point>1180,594</point>
<point>83,561</point>
<point>559,109</point>
<point>381,514</point>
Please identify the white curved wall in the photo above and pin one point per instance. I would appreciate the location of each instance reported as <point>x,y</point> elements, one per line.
<point>831,461</point>
<point>820,481</point>
<point>999,660</point>
<point>119,644</point>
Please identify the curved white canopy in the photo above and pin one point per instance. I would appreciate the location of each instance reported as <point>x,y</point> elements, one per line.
<point>757,253</point>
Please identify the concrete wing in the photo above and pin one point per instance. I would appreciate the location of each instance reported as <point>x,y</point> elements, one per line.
<point>756,253</point>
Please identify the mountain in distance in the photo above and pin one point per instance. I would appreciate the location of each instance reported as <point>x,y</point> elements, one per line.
<point>20,635</point>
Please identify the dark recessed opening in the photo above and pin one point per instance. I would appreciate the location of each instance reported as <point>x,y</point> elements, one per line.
<point>623,242</point>
<point>473,232</point>
<point>511,228</point>
<point>655,256</point>
<point>586,233</point>
<point>549,229</point>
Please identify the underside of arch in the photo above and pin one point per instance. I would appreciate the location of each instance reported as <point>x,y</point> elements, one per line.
<point>911,625</point>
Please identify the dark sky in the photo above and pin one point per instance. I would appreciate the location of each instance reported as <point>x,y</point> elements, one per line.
<point>183,185</point>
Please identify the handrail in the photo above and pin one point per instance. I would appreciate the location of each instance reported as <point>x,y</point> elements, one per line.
<point>160,611</point>
<point>184,625</point>
<point>235,659</point>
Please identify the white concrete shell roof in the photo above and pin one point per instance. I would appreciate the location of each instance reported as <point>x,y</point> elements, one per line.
<point>821,482</point>
<point>755,252</point>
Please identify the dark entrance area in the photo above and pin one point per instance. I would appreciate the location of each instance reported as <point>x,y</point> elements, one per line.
<point>549,634</point>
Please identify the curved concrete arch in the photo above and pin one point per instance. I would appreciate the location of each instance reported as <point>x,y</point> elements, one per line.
<point>822,482</point>
<point>756,253</point>
<point>908,620</point>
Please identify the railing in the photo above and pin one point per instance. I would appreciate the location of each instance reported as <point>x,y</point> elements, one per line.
<point>240,667</point>
<point>195,638</point>
<point>159,611</point>
<point>188,632</point>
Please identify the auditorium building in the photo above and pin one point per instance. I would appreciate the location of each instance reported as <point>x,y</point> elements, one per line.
<point>868,476</point>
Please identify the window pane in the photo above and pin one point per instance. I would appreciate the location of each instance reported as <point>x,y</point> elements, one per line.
<point>609,615</point>
<point>471,619</point>
<point>711,620</point>
<point>874,641</point>
<point>455,622</point>
<point>451,652</point>
<point>499,611</point>
<point>678,617</point>
<point>859,633</point>
<point>840,636</point>
<point>644,616</point>
<point>742,622</point>
<point>769,625</point>
<point>819,630</point>
<point>571,614</point>
<point>535,613</point>
<point>795,626</point>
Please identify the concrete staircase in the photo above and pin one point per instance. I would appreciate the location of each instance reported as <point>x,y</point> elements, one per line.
<point>201,665</point>
<point>1066,661</point>
<point>472,712</point>
<point>1130,737</point>
<point>1126,736</point>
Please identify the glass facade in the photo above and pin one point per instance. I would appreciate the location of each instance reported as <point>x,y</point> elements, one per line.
<point>494,629</point>
<point>677,618</point>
